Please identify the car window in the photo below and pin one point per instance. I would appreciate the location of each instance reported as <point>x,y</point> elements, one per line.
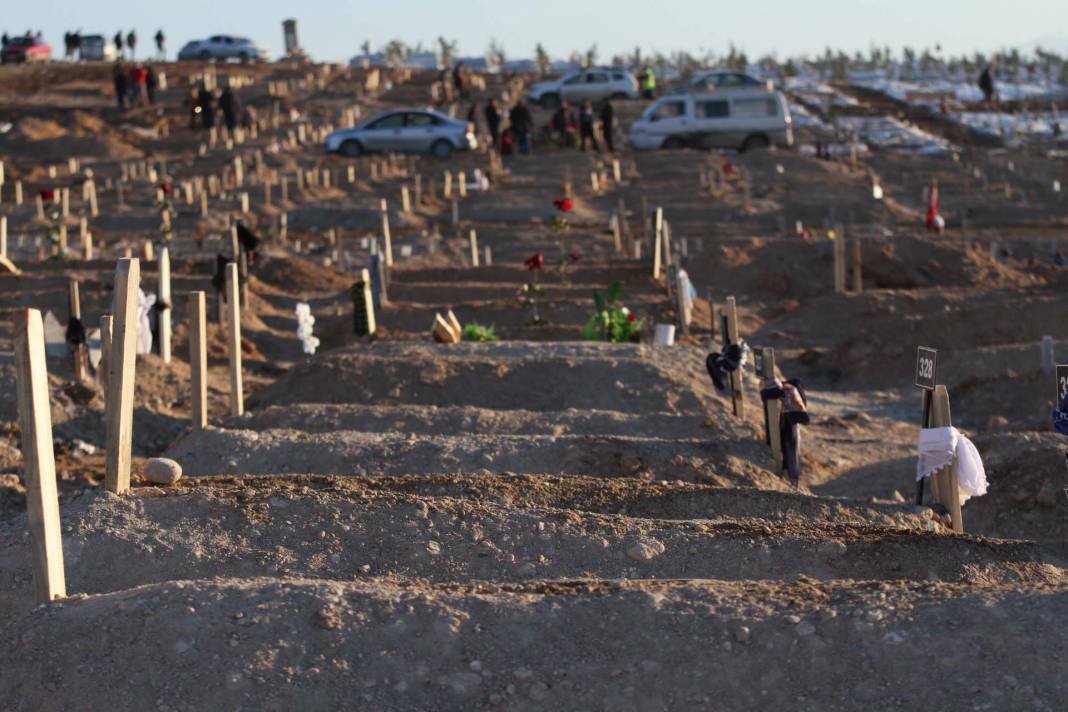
<point>393,121</point>
<point>748,80</point>
<point>596,78</point>
<point>618,77</point>
<point>669,110</point>
<point>754,108</point>
<point>421,119</point>
<point>577,79</point>
<point>713,109</point>
<point>215,39</point>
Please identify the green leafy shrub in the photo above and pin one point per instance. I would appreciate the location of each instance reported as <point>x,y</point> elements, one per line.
<point>612,321</point>
<point>479,332</point>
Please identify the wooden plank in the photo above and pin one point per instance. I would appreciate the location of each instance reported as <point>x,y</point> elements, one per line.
<point>233,340</point>
<point>658,238</point>
<point>164,297</point>
<point>78,353</point>
<point>121,374</point>
<point>387,237</point>
<point>198,358</point>
<point>38,459</point>
<point>105,354</point>
<point>473,238</point>
<point>944,482</point>
<point>858,271</point>
<point>737,394</point>
<point>773,408</point>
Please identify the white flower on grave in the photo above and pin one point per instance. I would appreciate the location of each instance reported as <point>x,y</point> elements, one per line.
<point>625,311</point>
<point>305,322</point>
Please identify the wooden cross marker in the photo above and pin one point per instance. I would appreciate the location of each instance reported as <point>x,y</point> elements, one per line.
<point>121,374</point>
<point>198,358</point>
<point>772,408</point>
<point>164,300</point>
<point>737,394</point>
<point>38,457</point>
<point>233,340</point>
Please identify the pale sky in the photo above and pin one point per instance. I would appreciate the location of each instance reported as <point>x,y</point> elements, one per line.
<point>333,30</point>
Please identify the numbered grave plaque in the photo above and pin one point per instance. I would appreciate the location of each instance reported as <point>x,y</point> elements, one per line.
<point>1062,382</point>
<point>926,367</point>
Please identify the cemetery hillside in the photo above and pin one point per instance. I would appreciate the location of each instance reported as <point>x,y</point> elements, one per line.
<point>432,383</point>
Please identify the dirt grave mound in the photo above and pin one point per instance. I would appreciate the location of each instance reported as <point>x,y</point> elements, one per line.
<point>296,275</point>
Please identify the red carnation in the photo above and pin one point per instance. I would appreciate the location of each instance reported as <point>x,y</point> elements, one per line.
<point>47,194</point>
<point>535,262</point>
<point>575,256</point>
<point>166,187</point>
<point>631,318</point>
<point>563,204</point>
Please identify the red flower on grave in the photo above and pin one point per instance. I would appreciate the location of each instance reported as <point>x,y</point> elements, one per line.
<point>535,262</point>
<point>728,168</point>
<point>48,194</point>
<point>563,204</point>
<point>166,187</point>
<point>575,256</point>
<point>631,318</point>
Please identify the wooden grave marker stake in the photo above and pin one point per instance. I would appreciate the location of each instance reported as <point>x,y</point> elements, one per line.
<point>38,458</point>
<point>164,300</point>
<point>78,352</point>
<point>198,358</point>
<point>473,238</point>
<point>772,408</point>
<point>839,261</point>
<point>387,238</point>
<point>461,184</point>
<point>944,482</point>
<point>737,394</point>
<point>121,374</point>
<point>363,314</point>
<point>105,355</point>
<point>233,339</point>
<point>3,236</point>
<point>406,201</point>
<point>858,271</point>
<point>658,241</point>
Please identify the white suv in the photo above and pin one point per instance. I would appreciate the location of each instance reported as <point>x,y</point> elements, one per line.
<point>592,84</point>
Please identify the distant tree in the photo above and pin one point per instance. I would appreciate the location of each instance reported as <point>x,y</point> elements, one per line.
<point>545,65</point>
<point>446,52</point>
<point>789,69</point>
<point>591,56</point>
<point>366,48</point>
<point>495,57</point>
<point>396,53</point>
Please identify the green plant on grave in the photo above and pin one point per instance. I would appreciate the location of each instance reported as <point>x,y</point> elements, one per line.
<point>479,332</point>
<point>532,292</point>
<point>560,227</point>
<point>611,321</point>
<point>54,216</point>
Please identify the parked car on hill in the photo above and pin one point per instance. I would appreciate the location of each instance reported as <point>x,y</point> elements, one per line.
<point>223,47</point>
<point>723,79</point>
<point>739,119</point>
<point>404,131</point>
<point>25,49</point>
<point>595,84</point>
<point>96,48</point>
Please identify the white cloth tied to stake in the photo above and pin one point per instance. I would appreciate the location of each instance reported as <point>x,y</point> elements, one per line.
<point>939,447</point>
<point>144,327</point>
<point>305,322</point>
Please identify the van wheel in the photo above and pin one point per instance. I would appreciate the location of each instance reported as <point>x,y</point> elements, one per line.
<point>673,143</point>
<point>441,149</point>
<point>550,101</point>
<point>754,143</point>
<point>351,149</point>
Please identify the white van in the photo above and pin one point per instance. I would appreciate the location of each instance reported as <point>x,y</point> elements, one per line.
<point>742,119</point>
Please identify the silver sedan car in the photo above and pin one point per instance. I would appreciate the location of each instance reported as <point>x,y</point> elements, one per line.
<point>405,131</point>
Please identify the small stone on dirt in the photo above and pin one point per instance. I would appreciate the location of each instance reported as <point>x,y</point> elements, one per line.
<point>742,634</point>
<point>162,471</point>
<point>645,550</point>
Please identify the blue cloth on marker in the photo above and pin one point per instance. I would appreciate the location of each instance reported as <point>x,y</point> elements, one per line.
<point>1060,418</point>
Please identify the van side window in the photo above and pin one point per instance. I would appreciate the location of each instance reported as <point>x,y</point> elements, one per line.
<point>713,109</point>
<point>754,108</point>
<point>597,78</point>
<point>669,110</point>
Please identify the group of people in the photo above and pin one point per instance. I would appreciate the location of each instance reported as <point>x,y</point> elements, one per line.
<point>203,107</point>
<point>568,127</point>
<point>72,42</point>
<point>135,86</point>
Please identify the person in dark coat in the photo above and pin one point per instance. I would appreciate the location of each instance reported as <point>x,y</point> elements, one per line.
<point>207,107</point>
<point>122,87</point>
<point>131,42</point>
<point>986,82</point>
<point>161,43</point>
<point>493,122</point>
<point>118,44</point>
<point>151,83</point>
<point>522,124</point>
<point>230,107</point>
<point>608,123</point>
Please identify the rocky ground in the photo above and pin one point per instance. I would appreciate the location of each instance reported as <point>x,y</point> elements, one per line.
<point>538,522</point>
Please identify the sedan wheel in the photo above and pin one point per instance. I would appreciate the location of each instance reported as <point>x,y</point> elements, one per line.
<point>441,149</point>
<point>351,149</point>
